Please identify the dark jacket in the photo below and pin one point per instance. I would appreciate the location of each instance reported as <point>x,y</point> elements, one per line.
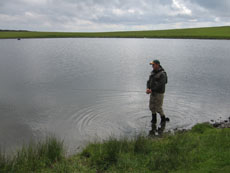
<point>157,81</point>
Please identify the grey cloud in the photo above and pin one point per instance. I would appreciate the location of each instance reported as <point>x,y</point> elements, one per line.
<point>103,15</point>
<point>211,11</point>
<point>219,5</point>
<point>216,7</point>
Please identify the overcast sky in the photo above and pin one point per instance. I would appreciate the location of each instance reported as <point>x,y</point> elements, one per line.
<point>112,15</point>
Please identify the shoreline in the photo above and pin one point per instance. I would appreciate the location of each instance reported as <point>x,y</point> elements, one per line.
<point>182,38</point>
<point>203,148</point>
<point>221,124</point>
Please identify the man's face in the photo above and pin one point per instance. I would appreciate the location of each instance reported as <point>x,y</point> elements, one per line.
<point>155,66</point>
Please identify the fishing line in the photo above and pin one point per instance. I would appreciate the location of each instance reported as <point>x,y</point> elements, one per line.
<point>99,90</point>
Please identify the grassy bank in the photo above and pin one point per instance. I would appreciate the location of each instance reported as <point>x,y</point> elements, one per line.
<point>34,157</point>
<point>196,33</point>
<point>202,149</point>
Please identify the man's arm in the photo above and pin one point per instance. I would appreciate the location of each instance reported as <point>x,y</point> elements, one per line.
<point>148,90</point>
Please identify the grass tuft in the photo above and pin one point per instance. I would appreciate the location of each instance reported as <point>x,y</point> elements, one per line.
<point>102,155</point>
<point>33,157</point>
<point>201,128</point>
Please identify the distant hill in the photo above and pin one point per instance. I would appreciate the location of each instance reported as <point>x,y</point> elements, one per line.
<point>7,30</point>
<point>222,32</point>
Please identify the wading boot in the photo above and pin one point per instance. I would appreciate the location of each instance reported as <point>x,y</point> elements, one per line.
<point>154,118</point>
<point>163,119</point>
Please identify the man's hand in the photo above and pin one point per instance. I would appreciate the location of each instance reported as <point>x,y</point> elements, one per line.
<point>148,91</point>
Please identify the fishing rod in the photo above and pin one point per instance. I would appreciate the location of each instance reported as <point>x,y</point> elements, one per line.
<point>109,90</point>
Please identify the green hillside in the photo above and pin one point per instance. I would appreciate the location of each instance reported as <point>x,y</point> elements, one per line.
<point>222,32</point>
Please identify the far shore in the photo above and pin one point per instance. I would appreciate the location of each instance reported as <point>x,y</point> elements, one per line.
<point>222,32</point>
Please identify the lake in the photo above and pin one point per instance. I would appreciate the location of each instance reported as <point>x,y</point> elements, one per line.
<point>87,89</point>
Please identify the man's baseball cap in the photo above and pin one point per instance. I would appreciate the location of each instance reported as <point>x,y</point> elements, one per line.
<point>155,62</point>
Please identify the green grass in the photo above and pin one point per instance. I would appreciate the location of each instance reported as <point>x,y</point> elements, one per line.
<point>34,157</point>
<point>202,149</point>
<point>196,33</point>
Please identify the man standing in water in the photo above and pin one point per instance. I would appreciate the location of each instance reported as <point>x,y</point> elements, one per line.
<point>156,89</point>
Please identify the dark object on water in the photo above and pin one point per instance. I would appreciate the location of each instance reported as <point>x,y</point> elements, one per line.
<point>167,119</point>
<point>216,124</point>
<point>221,124</point>
<point>19,38</point>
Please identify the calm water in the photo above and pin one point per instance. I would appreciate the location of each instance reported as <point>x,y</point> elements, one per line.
<point>89,89</point>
